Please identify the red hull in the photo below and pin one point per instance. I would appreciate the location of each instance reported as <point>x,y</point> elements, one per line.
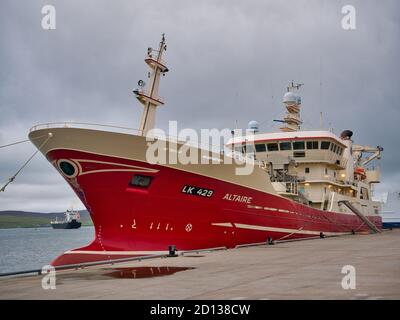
<point>133,221</point>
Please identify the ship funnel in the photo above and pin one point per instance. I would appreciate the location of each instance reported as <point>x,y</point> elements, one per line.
<point>346,134</point>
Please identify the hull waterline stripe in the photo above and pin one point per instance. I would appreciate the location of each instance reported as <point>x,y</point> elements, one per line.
<point>284,230</point>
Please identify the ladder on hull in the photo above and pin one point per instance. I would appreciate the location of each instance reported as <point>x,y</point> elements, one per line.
<point>372,226</point>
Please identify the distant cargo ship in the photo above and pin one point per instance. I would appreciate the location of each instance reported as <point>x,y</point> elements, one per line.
<point>71,221</point>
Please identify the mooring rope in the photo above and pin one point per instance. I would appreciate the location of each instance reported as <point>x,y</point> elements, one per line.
<point>14,143</point>
<point>26,162</point>
<point>290,234</point>
<point>21,141</point>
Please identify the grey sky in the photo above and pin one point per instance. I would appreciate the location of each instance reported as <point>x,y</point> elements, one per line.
<point>229,61</point>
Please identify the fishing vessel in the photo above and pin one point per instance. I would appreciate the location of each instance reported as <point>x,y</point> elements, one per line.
<point>300,184</point>
<point>70,221</point>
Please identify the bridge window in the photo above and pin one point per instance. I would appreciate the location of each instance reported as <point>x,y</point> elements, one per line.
<point>285,146</point>
<point>312,144</point>
<point>272,147</point>
<point>260,147</point>
<point>248,148</point>
<point>298,145</point>
<point>325,145</point>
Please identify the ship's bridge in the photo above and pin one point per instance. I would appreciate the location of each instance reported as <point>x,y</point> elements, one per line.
<point>304,165</point>
<point>282,148</point>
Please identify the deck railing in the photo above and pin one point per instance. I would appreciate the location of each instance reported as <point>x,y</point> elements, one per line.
<point>125,130</point>
<point>85,125</point>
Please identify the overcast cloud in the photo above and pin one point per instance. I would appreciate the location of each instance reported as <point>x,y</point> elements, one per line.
<point>229,62</point>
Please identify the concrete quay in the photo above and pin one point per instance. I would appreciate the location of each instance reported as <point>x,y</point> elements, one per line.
<point>310,269</point>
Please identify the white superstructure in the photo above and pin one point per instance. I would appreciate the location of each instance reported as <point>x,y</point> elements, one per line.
<point>318,168</point>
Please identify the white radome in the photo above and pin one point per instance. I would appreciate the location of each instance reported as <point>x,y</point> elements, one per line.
<point>253,125</point>
<point>290,98</point>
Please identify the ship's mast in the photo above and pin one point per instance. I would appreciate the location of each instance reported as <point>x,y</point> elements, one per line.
<point>292,102</point>
<point>149,96</point>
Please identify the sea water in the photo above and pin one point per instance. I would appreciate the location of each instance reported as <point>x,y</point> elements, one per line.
<point>33,248</point>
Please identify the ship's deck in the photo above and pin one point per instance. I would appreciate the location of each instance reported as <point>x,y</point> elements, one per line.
<point>294,270</point>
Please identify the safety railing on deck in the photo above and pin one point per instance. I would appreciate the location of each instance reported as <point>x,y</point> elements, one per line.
<point>85,125</point>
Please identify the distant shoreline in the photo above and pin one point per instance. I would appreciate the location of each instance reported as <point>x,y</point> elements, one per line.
<point>22,219</point>
<point>42,227</point>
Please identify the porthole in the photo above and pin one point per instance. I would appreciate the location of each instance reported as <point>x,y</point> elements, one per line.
<point>68,168</point>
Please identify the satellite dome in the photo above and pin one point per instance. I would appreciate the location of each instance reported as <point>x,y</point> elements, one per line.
<point>290,98</point>
<point>253,125</point>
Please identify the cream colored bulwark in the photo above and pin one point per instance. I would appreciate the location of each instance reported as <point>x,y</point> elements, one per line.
<point>134,147</point>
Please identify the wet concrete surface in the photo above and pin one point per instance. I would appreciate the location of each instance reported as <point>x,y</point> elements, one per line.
<point>309,269</point>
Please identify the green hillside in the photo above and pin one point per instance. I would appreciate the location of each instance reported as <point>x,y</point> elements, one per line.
<point>17,219</point>
<point>7,221</point>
